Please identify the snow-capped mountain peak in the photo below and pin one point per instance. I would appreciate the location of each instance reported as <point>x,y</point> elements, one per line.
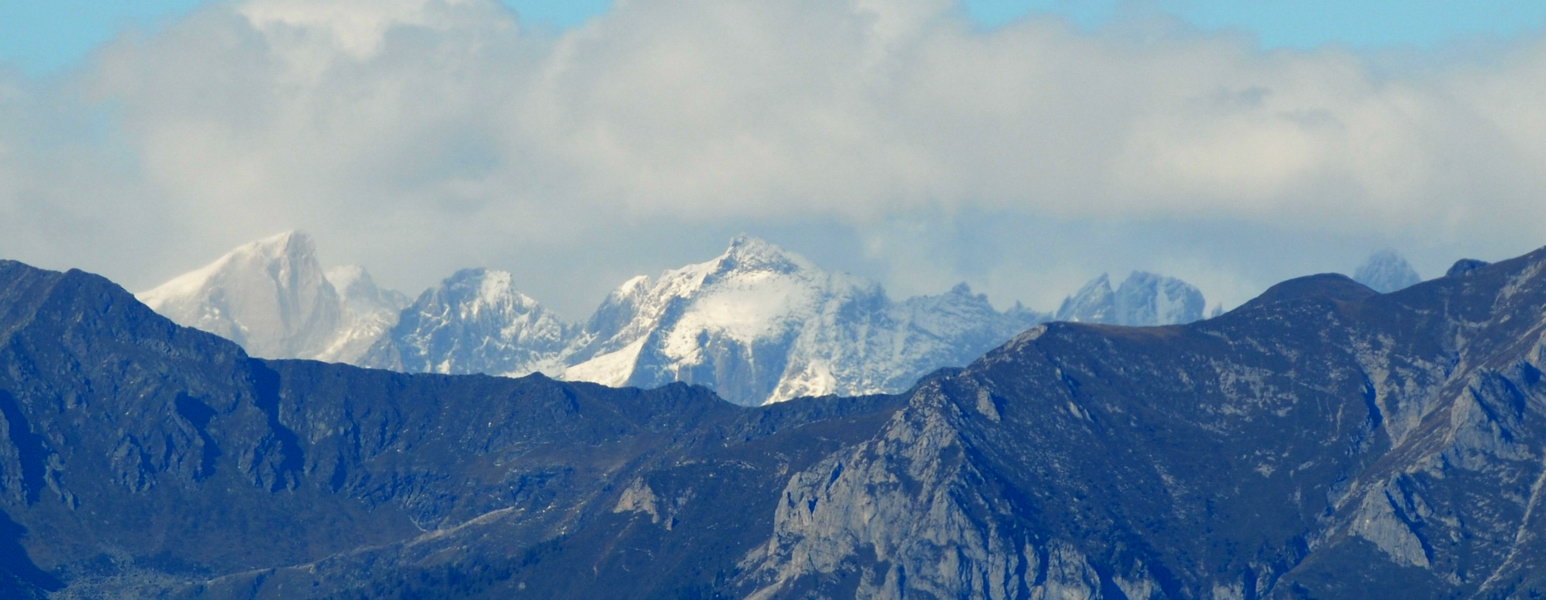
<point>752,254</point>
<point>1091,303</point>
<point>475,321</point>
<point>269,295</point>
<point>369,311</point>
<point>761,324</point>
<point>277,255</point>
<point>756,323</point>
<point>480,291</point>
<point>273,297</point>
<point>1142,299</point>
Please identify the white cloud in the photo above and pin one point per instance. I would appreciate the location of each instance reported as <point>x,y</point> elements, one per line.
<point>419,135</point>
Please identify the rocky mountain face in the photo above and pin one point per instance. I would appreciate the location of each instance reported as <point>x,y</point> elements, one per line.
<point>1386,271</point>
<point>273,297</point>
<point>1323,440</point>
<point>368,313</point>
<point>1142,299</point>
<point>759,325</point>
<point>474,322</point>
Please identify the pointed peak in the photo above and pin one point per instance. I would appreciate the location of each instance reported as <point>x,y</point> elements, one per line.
<point>1386,271</point>
<point>356,284</point>
<point>283,251</point>
<point>290,243</point>
<point>1100,282</point>
<point>750,245</point>
<point>286,237</point>
<point>480,285</point>
<point>751,253</point>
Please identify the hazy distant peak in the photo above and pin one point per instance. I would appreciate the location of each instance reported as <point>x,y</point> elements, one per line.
<point>281,252</point>
<point>360,292</point>
<point>269,295</point>
<point>1091,303</point>
<point>273,297</point>
<point>1143,298</point>
<point>353,282</point>
<point>1386,271</point>
<point>474,321</point>
<point>344,276</point>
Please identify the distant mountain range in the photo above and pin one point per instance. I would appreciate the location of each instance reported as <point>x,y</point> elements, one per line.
<point>1320,441</point>
<point>757,324</point>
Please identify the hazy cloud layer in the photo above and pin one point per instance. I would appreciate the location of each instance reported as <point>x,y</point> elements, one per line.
<point>889,138</point>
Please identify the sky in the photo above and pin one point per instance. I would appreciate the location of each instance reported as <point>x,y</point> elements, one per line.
<point>1020,146</point>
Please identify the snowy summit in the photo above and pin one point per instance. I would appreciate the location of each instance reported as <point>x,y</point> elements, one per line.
<point>273,297</point>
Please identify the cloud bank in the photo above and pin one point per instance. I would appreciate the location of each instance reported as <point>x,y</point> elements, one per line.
<point>891,138</point>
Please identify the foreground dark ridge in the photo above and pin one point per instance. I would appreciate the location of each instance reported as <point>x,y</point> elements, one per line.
<point>1321,441</point>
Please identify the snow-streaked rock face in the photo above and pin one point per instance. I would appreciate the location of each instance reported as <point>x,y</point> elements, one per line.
<point>759,324</point>
<point>473,322</point>
<point>1385,272</point>
<point>369,311</point>
<point>273,297</point>
<point>1143,299</point>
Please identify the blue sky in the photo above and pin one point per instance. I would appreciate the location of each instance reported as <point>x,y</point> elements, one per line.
<point>45,37</point>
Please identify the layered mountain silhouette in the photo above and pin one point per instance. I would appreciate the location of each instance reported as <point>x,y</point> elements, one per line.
<point>757,324</point>
<point>1322,440</point>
